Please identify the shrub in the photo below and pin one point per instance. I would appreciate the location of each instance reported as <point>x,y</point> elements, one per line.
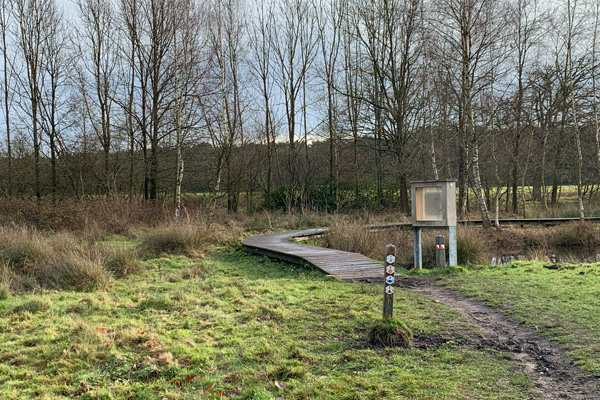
<point>578,234</point>
<point>122,262</point>
<point>6,280</point>
<point>33,259</point>
<point>354,237</point>
<point>189,238</point>
<point>470,248</point>
<point>73,271</point>
<point>172,240</point>
<point>21,249</point>
<point>390,332</point>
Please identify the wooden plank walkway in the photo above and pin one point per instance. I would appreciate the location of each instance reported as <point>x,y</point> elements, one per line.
<point>343,264</point>
<point>346,265</point>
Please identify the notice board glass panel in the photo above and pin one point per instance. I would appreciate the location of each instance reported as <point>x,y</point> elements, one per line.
<point>429,204</point>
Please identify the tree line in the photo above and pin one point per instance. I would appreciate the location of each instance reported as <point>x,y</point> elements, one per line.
<point>327,102</point>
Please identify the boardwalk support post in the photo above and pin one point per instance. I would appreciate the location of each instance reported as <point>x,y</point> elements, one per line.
<point>388,291</point>
<point>418,248</point>
<point>452,246</point>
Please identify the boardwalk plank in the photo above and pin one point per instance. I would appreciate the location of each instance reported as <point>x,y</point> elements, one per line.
<point>343,264</point>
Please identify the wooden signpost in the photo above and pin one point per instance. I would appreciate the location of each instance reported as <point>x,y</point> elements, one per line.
<point>388,292</point>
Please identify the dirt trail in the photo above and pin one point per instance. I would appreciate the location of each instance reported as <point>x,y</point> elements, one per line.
<point>552,372</point>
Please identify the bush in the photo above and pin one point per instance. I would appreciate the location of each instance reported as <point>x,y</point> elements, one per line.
<point>470,248</point>
<point>73,271</point>
<point>390,332</point>
<point>175,240</point>
<point>32,259</point>
<point>354,237</point>
<point>294,198</point>
<point>122,262</point>
<point>578,234</point>
<point>189,239</point>
<point>6,280</point>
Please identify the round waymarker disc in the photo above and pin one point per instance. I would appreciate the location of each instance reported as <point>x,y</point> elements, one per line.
<point>389,279</point>
<point>390,258</point>
<point>389,290</point>
<point>390,270</point>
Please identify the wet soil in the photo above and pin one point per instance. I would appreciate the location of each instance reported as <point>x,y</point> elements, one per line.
<point>553,374</point>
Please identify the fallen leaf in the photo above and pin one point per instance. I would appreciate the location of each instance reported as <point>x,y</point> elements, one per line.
<point>141,332</point>
<point>211,387</point>
<point>190,378</point>
<point>178,383</point>
<point>221,394</point>
<point>280,385</point>
<point>219,345</point>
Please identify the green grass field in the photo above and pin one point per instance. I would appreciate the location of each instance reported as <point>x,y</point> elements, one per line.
<point>238,326</point>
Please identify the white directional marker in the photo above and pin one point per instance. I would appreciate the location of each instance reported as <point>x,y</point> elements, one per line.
<point>390,259</point>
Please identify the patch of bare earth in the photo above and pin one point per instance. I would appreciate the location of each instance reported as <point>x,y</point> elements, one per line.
<point>551,371</point>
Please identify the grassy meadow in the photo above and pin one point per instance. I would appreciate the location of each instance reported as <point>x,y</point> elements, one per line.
<point>109,300</point>
<point>231,325</point>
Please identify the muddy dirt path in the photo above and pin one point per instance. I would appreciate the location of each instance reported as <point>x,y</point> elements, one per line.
<point>552,372</point>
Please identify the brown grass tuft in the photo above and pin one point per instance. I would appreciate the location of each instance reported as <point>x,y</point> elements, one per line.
<point>577,234</point>
<point>122,261</point>
<point>354,237</point>
<point>189,239</point>
<point>60,261</point>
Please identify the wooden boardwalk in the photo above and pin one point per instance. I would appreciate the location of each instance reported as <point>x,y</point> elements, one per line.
<point>343,264</point>
<point>346,265</point>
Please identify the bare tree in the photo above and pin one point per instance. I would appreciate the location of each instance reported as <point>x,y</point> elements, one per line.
<point>525,26</point>
<point>471,28</point>
<point>571,9</point>
<point>224,113</point>
<point>5,11</point>
<point>188,73</point>
<point>260,64</point>
<point>33,24</point>
<point>53,88</point>
<point>330,19</point>
<point>294,44</point>
<point>98,54</point>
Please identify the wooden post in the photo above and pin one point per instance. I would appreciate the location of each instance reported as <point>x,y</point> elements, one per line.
<point>388,291</point>
<point>440,252</point>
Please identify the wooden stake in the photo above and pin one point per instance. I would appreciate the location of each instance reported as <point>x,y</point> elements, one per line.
<point>388,291</point>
